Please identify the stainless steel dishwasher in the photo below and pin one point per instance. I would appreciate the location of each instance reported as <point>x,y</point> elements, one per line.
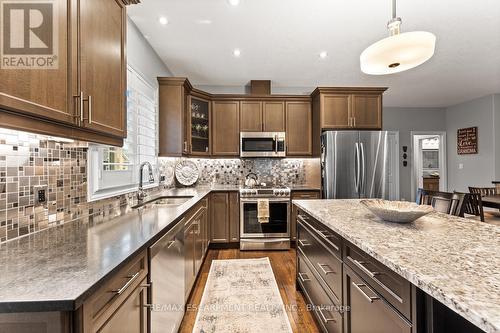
<point>166,259</point>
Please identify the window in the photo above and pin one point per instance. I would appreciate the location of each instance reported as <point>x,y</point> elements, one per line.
<point>114,170</point>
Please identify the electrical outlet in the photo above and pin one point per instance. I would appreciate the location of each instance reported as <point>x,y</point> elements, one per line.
<point>40,193</point>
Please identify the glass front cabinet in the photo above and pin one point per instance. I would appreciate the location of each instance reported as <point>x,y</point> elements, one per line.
<point>198,126</point>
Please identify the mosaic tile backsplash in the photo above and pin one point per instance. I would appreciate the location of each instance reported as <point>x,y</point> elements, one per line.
<point>28,160</point>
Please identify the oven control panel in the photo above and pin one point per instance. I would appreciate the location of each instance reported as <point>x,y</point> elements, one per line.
<point>267,192</point>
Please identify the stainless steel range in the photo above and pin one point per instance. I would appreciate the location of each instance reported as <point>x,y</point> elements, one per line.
<point>272,235</point>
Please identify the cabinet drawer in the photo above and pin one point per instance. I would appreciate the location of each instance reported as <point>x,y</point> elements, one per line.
<point>324,309</point>
<point>304,195</point>
<point>327,265</point>
<point>395,289</point>
<point>329,239</point>
<point>113,292</point>
<point>368,310</point>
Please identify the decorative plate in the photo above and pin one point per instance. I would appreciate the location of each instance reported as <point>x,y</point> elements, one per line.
<point>396,211</point>
<point>187,172</point>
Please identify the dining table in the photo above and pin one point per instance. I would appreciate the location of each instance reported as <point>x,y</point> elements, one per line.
<point>492,201</point>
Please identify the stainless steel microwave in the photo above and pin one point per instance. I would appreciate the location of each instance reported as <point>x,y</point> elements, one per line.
<point>262,144</point>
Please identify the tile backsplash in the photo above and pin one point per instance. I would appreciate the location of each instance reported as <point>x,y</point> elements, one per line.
<point>28,160</point>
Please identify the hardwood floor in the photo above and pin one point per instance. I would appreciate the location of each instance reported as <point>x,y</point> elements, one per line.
<point>283,264</point>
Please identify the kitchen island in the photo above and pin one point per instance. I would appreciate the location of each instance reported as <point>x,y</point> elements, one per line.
<point>452,260</point>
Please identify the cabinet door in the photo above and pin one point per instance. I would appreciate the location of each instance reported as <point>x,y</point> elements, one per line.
<point>226,128</point>
<point>44,92</point>
<point>335,111</point>
<point>251,116</point>
<point>131,316</point>
<point>234,217</point>
<point>198,126</point>
<point>298,128</point>
<point>369,312</point>
<point>367,111</point>
<point>103,65</point>
<point>198,243</point>
<point>219,226</point>
<point>274,116</point>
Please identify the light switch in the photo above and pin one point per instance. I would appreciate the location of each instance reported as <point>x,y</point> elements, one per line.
<point>460,166</point>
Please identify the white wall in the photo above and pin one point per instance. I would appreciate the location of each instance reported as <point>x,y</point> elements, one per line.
<point>496,103</point>
<point>406,120</point>
<point>478,169</point>
<point>142,57</point>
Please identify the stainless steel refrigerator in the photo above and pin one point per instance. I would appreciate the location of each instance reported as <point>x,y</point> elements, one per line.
<point>360,164</point>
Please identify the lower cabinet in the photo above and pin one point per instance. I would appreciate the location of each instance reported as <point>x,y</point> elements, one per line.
<point>368,311</point>
<point>132,315</point>
<point>347,290</point>
<point>224,217</point>
<point>300,195</point>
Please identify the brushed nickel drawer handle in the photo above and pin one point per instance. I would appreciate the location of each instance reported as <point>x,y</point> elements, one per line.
<point>323,317</point>
<point>90,109</point>
<point>369,298</point>
<point>126,285</point>
<point>360,265</point>
<point>170,244</point>
<point>326,272</point>
<point>302,243</point>
<point>328,235</point>
<point>301,276</point>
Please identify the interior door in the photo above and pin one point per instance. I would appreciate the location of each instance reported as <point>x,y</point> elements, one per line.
<point>374,164</point>
<point>340,164</point>
<point>103,65</point>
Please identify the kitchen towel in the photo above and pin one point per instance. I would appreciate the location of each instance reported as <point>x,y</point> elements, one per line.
<point>263,210</point>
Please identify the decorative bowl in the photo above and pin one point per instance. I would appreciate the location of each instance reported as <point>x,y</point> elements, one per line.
<point>396,211</point>
<point>187,172</point>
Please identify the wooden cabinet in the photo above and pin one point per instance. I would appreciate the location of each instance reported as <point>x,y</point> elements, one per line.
<point>224,217</point>
<point>103,74</point>
<point>132,315</point>
<point>368,310</point>
<point>234,217</point>
<point>348,108</point>
<point>198,126</point>
<point>273,116</point>
<point>226,128</point>
<point>119,305</point>
<point>366,111</point>
<point>300,195</point>
<point>298,129</point>
<point>84,96</point>
<point>251,116</point>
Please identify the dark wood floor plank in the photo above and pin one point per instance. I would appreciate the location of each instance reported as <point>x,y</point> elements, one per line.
<point>283,265</point>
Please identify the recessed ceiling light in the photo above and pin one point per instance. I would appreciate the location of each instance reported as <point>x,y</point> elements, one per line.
<point>323,54</point>
<point>234,2</point>
<point>146,36</point>
<point>236,52</point>
<point>163,20</point>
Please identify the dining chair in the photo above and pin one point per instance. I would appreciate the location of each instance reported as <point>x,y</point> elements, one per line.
<point>483,191</point>
<point>473,205</point>
<point>451,204</point>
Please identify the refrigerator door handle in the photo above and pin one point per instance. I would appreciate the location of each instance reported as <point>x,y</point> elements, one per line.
<point>363,168</point>
<point>356,167</point>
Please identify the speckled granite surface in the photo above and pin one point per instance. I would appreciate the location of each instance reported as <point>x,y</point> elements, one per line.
<point>57,268</point>
<point>456,261</point>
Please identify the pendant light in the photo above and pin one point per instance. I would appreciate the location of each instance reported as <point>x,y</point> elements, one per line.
<point>398,52</point>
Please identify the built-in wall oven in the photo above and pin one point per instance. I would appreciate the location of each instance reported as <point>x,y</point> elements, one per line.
<point>262,144</point>
<point>274,234</point>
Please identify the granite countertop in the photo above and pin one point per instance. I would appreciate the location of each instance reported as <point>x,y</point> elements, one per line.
<point>454,260</point>
<point>57,268</point>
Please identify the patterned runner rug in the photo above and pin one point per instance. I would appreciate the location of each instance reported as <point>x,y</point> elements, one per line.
<point>241,296</point>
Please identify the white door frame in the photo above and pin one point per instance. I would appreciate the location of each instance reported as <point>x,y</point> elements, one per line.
<point>443,168</point>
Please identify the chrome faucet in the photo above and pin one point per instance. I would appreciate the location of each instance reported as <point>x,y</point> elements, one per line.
<point>141,194</point>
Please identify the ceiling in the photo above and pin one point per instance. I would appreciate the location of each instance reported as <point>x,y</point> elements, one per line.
<point>280,40</point>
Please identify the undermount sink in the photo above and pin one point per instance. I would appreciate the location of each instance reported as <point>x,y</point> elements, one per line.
<point>167,201</point>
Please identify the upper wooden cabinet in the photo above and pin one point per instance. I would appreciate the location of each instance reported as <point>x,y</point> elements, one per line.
<point>198,125</point>
<point>83,97</point>
<point>298,128</point>
<point>348,108</point>
<point>274,116</point>
<point>251,116</point>
<point>103,74</point>
<point>226,128</point>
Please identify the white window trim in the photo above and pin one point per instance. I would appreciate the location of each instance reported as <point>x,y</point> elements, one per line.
<point>95,162</point>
